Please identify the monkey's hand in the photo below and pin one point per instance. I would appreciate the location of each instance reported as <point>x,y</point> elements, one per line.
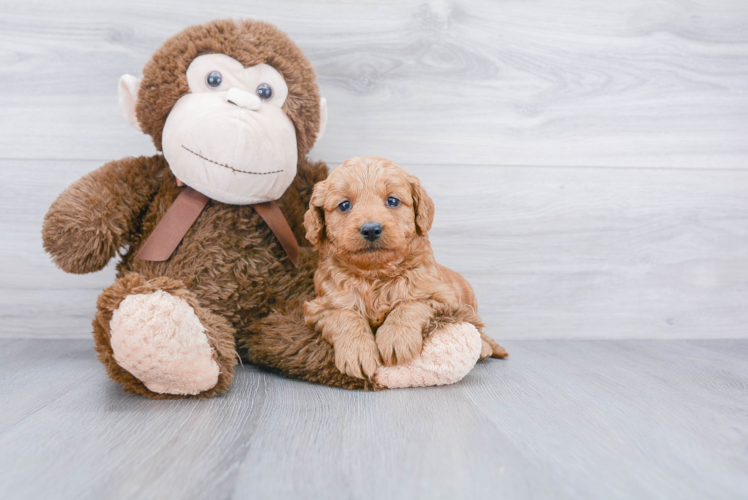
<point>96,215</point>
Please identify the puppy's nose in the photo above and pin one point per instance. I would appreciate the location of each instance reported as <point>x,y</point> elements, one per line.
<point>371,230</point>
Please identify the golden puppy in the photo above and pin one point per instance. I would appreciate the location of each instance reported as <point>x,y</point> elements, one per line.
<point>378,286</point>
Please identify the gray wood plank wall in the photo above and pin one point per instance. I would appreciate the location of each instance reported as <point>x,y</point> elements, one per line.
<point>589,160</point>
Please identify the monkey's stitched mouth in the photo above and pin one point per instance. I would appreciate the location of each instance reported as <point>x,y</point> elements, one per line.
<point>229,166</point>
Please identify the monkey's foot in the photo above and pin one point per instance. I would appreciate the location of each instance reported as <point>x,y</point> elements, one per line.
<point>448,354</point>
<point>160,340</point>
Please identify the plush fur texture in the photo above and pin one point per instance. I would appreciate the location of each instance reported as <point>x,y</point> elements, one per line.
<point>229,269</point>
<point>283,343</point>
<point>249,42</point>
<point>158,338</point>
<point>219,332</point>
<point>244,294</point>
<point>376,297</point>
<point>449,355</point>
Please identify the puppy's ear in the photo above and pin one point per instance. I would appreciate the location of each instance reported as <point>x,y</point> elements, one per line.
<point>314,218</point>
<point>423,206</point>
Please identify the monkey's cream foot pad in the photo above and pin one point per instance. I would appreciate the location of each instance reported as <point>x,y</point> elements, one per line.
<point>448,354</point>
<point>158,338</point>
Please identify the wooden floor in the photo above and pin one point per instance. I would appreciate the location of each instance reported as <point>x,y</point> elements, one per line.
<point>589,166</point>
<point>559,419</point>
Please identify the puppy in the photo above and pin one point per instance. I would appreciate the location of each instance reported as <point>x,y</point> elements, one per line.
<point>379,289</point>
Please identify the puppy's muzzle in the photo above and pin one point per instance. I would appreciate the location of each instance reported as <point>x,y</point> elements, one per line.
<point>371,231</point>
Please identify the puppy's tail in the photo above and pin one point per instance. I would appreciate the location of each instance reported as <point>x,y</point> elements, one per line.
<point>284,344</point>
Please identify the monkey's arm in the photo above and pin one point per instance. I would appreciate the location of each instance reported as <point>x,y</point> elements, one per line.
<point>295,201</point>
<point>96,215</point>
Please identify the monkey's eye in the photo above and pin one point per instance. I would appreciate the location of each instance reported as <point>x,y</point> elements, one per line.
<point>264,91</point>
<point>214,79</point>
<point>393,202</point>
<point>344,206</point>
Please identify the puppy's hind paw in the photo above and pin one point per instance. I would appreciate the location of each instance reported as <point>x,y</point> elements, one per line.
<point>357,357</point>
<point>485,351</point>
<point>496,351</point>
<point>499,352</point>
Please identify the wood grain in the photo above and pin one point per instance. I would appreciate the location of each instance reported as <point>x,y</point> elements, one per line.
<point>551,252</point>
<point>589,167</point>
<point>558,419</point>
<point>588,161</point>
<point>543,83</point>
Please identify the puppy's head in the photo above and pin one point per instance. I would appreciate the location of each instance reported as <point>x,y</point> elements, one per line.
<point>369,212</point>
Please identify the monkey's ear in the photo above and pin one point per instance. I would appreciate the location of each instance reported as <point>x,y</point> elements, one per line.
<point>128,98</point>
<point>423,205</point>
<point>322,119</point>
<point>314,218</point>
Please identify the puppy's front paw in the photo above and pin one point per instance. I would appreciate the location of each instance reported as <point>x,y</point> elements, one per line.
<point>398,344</point>
<point>357,357</point>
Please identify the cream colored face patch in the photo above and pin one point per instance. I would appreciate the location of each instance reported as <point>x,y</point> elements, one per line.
<point>229,137</point>
<point>220,73</point>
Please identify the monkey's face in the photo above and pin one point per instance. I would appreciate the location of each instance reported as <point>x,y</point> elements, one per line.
<point>233,105</point>
<point>229,137</point>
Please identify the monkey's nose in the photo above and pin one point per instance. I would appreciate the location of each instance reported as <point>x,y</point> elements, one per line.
<point>371,230</point>
<point>243,99</point>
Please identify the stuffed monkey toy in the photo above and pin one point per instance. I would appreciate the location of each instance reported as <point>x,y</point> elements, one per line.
<point>213,263</point>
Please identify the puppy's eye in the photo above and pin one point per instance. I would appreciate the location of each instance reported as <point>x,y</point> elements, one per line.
<point>214,79</point>
<point>393,202</point>
<point>345,206</point>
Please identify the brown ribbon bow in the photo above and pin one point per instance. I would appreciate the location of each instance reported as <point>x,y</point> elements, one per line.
<point>187,208</point>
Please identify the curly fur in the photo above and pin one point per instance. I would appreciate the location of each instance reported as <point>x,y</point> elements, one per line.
<point>219,332</point>
<point>249,42</point>
<point>376,300</point>
<point>229,267</point>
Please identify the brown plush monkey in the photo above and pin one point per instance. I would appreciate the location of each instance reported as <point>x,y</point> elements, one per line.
<point>206,267</point>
